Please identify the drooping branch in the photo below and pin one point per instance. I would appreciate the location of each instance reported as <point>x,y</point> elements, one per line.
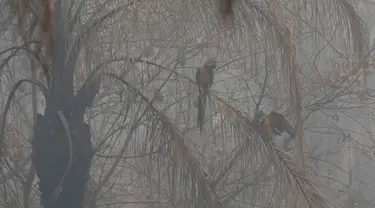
<point>265,78</point>
<point>7,106</point>
<point>58,189</point>
<point>287,162</point>
<point>190,164</point>
<point>80,40</point>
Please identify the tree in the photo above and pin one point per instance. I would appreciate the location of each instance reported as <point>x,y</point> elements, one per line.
<point>62,150</point>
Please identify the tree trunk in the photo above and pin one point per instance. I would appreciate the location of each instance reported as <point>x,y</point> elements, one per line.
<point>51,157</point>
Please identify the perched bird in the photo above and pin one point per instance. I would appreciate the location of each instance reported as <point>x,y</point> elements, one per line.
<point>274,123</point>
<point>204,77</point>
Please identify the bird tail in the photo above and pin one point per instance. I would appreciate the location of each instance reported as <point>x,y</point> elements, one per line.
<point>288,128</point>
<point>201,108</point>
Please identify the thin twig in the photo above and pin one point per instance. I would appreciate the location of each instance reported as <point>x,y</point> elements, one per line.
<point>263,87</point>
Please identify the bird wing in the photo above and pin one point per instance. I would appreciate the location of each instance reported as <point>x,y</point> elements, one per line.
<point>276,120</point>
<point>203,78</point>
<point>197,74</point>
<point>279,122</point>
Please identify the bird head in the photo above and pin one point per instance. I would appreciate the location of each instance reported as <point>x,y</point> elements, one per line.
<point>259,114</point>
<point>210,64</point>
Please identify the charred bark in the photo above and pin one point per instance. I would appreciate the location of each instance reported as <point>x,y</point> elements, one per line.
<point>50,157</point>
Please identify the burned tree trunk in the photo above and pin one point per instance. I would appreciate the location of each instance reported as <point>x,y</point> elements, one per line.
<point>62,150</point>
<point>61,146</point>
<point>51,157</point>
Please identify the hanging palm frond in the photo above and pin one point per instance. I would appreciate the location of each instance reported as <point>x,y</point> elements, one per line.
<point>285,161</point>
<point>190,180</point>
<point>192,174</point>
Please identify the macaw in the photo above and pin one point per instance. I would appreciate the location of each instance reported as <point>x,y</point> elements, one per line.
<point>204,77</point>
<point>274,123</point>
